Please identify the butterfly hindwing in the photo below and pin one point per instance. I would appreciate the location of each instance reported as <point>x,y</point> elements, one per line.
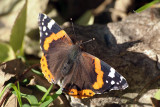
<point>92,76</point>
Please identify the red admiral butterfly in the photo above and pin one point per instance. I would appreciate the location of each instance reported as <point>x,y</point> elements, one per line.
<point>80,74</point>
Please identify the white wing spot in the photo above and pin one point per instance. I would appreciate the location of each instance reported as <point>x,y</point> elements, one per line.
<point>106,81</point>
<point>40,34</point>
<point>44,28</point>
<point>51,23</point>
<point>45,17</point>
<point>117,83</point>
<point>46,33</point>
<point>42,23</point>
<point>40,28</point>
<point>121,78</point>
<point>112,82</point>
<point>112,73</point>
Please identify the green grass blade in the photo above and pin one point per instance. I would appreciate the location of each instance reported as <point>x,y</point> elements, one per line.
<point>31,99</point>
<point>41,88</point>
<point>26,105</point>
<point>37,72</point>
<point>18,31</point>
<point>147,6</point>
<point>45,95</point>
<point>18,94</point>
<point>6,53</point>
<point>51,98</point>
<point>46,103</point>
<point>7,86</point>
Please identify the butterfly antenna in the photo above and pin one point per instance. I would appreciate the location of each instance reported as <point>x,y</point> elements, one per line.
<point>88,41</point>
<point>75,33</point>
<point>73,26</point>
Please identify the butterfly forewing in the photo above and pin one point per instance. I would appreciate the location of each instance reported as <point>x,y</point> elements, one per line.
<point>51,35</point>
<point>55,44</point>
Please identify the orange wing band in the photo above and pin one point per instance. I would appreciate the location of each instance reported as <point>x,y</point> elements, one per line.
<point>44,66</point>
<point>52,37</point>
<point>81,94</point>
<point>99,83</point>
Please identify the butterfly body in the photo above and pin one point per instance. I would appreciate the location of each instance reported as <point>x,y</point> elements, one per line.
<point>73,55</point>
<point>80,74</point>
